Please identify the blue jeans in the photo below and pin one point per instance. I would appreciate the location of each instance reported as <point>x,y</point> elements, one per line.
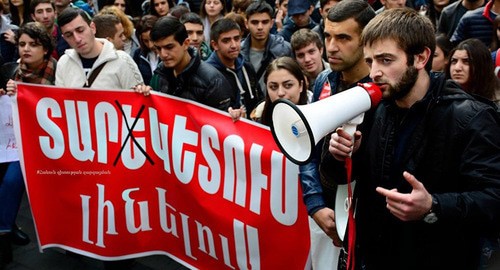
<point>11,193</point>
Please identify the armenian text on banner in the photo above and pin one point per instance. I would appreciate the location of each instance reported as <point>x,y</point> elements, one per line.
<point>8,146</point>
<point>115,175</point>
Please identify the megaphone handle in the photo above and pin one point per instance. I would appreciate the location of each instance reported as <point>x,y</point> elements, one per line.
<point>351,126</point>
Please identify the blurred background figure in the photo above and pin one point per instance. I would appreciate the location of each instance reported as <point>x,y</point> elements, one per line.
<point>108,26</point>
<point>131,43</point>
<point>210,11</point>
<point>495,41</point>
<point>160,8</point>
<point>470,65</point>
<point>20,11</point>
<point>389,4</point>
<point>281,14</point>
<point>240,20</point>
<point>441,54</point>
<point>194,27</point>
<point>121,4</point>
<point>7,37</point>
<point>146,56</point>
<point>178,11</point>
<point>240,6</point>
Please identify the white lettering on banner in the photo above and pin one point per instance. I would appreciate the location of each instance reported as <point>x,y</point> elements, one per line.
<point>246,238</point>
<point>79,127</point>
<point>209,141</point>
<point>129,212</point>
<point>102,205</point>
<point>288,214</point>
<point>159,132</point>
<point>230,181</point>
<point>132,159</point>
<point>52,146</point>
<point>162,201</point>
<point>106,129</point>
<point>182,158</point>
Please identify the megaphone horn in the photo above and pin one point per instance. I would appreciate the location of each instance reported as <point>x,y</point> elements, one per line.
<point>298,128</point>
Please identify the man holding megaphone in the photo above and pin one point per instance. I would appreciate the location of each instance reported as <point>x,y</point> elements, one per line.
<point>427,165</point>
<point>343,26</point>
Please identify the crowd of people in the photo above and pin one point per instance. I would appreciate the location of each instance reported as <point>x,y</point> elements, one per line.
<point>426,160</point>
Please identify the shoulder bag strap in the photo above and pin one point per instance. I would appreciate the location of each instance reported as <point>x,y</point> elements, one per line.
<point>93,75</point>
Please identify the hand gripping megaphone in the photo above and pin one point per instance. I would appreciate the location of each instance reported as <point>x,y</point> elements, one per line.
<point>298,128</point>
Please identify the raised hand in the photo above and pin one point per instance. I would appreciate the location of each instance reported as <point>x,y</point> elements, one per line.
<point>407,207</point>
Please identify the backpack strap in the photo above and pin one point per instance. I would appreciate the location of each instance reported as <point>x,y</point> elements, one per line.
<point>93,75</point>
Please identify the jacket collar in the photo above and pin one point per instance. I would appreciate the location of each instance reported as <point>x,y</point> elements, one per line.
<point>191,68</point>
<point>107,53</point>
<point>216,62</point>
<point>487,11</point>
<point>247,43</point>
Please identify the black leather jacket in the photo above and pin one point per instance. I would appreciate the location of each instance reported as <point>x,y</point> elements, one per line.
<point>199,81</point>
<point>451,143</point>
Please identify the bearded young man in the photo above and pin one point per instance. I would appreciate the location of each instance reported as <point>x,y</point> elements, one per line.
<point>427,164</point>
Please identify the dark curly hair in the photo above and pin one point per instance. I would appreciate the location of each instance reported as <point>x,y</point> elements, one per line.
<point>37,31</point>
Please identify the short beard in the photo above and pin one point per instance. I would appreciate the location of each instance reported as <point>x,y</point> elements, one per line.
<point>401,89</point>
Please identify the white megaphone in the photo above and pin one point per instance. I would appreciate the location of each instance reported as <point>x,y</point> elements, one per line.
<point>297,129</point>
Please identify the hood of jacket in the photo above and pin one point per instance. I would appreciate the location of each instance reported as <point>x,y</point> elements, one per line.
<point>215,61</point>
<point>107,53</point>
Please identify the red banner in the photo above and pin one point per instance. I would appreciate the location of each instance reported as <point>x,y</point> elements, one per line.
<point>114,175</point>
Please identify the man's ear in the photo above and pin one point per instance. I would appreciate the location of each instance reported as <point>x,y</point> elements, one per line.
<point>33,17</point>
<point>422,58</point>
<point>186,43</point>
<point>92,27</point>
<point>310,10</point>
<point>214,45</point>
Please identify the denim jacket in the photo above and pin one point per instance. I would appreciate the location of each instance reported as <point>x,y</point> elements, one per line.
<point>318,194</point>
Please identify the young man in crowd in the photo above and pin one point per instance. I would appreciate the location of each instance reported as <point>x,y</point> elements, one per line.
<point>194,28</point>
<point>261,47</point>
<point>89,57</point>
<point>343,28</point>
<point>308,50</point>
<point>299,12</point>
<point>427,164</point>
<point>109,27</point>
<point>182,73</point>
<point>43,11</point>
<point>225,38</point>
<point>324,8</point>
<point>94,63</point>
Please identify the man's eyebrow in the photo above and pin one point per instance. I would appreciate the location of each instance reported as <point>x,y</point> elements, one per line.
<point>383,55</point>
